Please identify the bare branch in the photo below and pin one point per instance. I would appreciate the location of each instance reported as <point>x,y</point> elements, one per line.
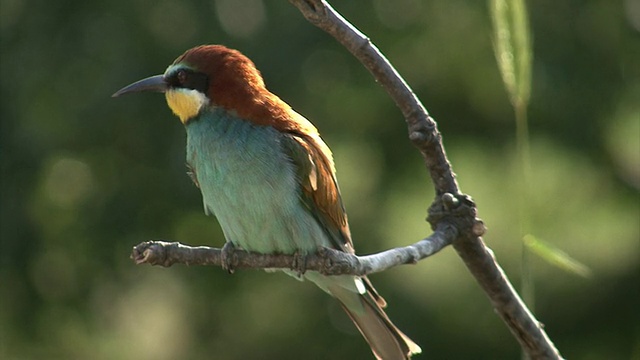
<point>424,134</point>
<point>326,261</point>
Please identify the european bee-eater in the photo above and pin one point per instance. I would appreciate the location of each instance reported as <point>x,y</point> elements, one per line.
<point>267,176</point>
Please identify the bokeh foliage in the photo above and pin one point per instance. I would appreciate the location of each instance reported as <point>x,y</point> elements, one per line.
<point>85,177</point>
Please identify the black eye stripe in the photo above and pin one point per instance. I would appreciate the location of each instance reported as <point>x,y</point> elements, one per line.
<point>189,79</point>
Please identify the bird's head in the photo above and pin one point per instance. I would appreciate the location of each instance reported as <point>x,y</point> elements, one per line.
<point>206,76</point>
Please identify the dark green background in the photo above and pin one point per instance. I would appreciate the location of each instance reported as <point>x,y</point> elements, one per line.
<point>85,177</point>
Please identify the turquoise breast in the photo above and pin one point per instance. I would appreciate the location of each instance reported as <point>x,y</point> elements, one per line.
<point>250,185</point>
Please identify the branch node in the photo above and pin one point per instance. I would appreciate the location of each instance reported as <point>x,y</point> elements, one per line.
<point>459,212</point>
<point>152,253</point>
<point>479,228</point>
<point>420,129</point>
<point>418,137</point>
<point>365,42</point>
<point>449,201</point>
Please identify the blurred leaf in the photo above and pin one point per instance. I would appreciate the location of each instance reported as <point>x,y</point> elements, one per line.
<point>555,256</point>
<point>512,46</point>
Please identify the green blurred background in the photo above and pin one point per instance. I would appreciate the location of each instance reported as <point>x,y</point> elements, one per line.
<point>85,177</point>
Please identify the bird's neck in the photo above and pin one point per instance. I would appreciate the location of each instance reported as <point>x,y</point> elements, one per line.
<point>258,107</point>
<point>223,138</point>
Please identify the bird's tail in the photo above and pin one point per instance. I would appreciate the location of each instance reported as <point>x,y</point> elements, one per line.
<point>386,341</point>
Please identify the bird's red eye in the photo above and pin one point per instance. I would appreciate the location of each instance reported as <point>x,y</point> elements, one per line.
<point>182,76</point>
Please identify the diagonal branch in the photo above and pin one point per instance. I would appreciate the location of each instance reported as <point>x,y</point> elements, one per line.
<point>423,133</point>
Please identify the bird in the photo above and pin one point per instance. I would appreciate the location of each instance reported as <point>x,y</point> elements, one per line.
<point>268,177</point>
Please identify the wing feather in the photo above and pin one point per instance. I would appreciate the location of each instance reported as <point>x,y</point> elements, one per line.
<point>320,193</point>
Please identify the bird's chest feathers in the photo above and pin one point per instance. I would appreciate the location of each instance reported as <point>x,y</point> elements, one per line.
<point>250,184</point>
<point>186,103</point>
<point>236,160</point>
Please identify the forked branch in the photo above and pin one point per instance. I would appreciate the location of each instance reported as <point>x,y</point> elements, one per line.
<point>452,215</point>
<point>423,133</point>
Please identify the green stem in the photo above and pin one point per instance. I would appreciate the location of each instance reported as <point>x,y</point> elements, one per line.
<point>524,160</point>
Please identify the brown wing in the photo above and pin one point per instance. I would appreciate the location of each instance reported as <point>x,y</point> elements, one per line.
<point>320,192</point>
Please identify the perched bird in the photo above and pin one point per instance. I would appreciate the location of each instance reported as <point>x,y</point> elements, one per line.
<point>267,176</point>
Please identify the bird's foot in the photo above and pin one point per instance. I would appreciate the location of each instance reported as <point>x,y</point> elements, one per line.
<point>226,256</point>
<point>299,263</point>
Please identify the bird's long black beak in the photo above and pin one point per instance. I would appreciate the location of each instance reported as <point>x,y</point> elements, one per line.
<point>153,83</point>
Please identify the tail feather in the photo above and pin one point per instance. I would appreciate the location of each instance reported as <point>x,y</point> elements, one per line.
<point>386,341</point>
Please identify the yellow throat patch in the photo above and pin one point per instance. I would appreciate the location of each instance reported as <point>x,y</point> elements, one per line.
<point>185,103</point>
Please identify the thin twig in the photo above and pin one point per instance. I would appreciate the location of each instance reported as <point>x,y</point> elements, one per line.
<point>326,261</point>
